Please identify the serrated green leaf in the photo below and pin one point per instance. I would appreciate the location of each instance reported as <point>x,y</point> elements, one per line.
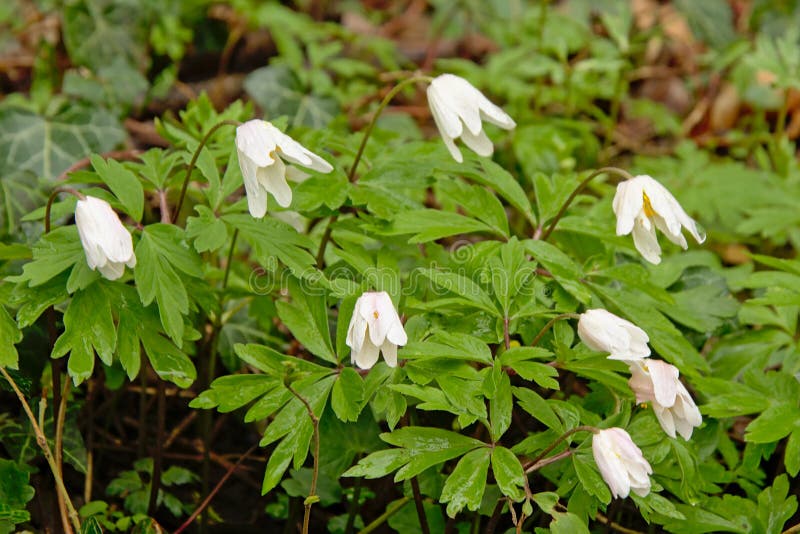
<point>10,335</point>
<point>774,423</point>
<point>466,484</point>
<point>508,473</point>
<point>275,240</point>
<point>208,232</point>
<point>123,183</point>
<point>52,254</point>
<point>307,318</point>
<point>347,395</point>
<point>590,478</point>
<point>429,225</point>
<point>500,407</point>
<point>561,266</point>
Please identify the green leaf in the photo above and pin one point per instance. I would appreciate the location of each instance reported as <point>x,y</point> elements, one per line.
<point>307,318</point>
<point>88,327</point>
<point>775,506</point>
<point>90,525</point>
<point>508,473</point>
<point>54,253</point>
<point>228,393</point>
<point>561,266</point>
<point>379,464</point>
<point>466,484</point>
<point>278,91</point>
<point>47,146</point>
<point>208,232</point>
<point>590,479</point>
<point>477,201</point>
<point>518,359</point>
<point>791,456</point>
<point>568,523</point>
<point>500,406</point>
<point>461,285</point>
<point>776,422</point>
<point>429,225</point>
<point>10,335</point>
<point>15,492</point>
<point>161,250</point>
<point>531,402</point>
<point>123,183</point>
<point>347,395</point>
<point>275,240</point>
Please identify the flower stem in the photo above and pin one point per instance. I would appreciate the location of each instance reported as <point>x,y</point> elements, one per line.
<point>312,492</point>
<point>230,259</point>
<point>41,440</point>
<point>351,176</point>
<point>381,519</point>
<point>529,467</point>
<point>52,199</point>
<point>193,161</point>
<point>604,170</point>
<point>550,324</point>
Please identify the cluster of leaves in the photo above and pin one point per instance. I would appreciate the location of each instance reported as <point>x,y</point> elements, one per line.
<point>455,245</point>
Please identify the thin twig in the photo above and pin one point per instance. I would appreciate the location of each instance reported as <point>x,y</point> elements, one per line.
<point>155,480</point>
<point>546,461</point>
<point>41,440</point>
<point>616,526</point>
<point>60,415</point>
<point>213,492</point>
<point>557,442</point>
<point>423,519</point>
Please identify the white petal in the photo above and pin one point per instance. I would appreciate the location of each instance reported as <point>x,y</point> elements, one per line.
<point>256,194</point>
<point>389,350</point>
<point>368,355</point>
<point>255,139</point>
<point>628,204</point>
<point>665,382</point>
<point>273,179</point>
<point>666,420</point>
<point>646,242</point>
<point>479,143</point>
<point>112,270</point>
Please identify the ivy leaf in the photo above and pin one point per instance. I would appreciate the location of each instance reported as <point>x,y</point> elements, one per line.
<point>466,484</point>
<point>19,194</point>
<point>123,183</point>
<point>15,493</point>
<point>88,328</point>
<point>278,92</point>
<point>47,146</point>
<point>159,253</point>
<point>10,335</point>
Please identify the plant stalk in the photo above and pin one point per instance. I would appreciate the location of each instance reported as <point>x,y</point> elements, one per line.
<point>312,492</point>
<point>577,191</point>
<point>550,324</point>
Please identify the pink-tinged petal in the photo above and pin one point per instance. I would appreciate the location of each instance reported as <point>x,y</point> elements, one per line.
<point>389,351</point>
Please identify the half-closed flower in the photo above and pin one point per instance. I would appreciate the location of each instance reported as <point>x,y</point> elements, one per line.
<point>621,463</point>
<point>603,331</point>
<point>375,327</point>
<point>641,205</point>
<point>656,382</point>
<point>262,149</point>
<point>106,242</point>
<point>458,109</point>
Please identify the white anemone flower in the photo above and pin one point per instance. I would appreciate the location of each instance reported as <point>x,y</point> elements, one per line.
<point>603,331</point>
<point>621,463</point>
<point>262,149</point>
<point>657,382</point>
<point>458,108</point>
<point>106,242</point>
<point>375,326</point>
<point>641,205</point>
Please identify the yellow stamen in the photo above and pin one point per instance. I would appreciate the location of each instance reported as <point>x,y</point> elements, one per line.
<point>648,208</point>
<point>375,314</point>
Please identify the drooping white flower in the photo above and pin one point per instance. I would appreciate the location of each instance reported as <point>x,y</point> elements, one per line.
<point>603,331</point>
<point>262,149</point>
<point>641,205</point>
<point>375,326</point>
<point>106,242</point>
<point>621,463</point>
<point>656,382</point>
<point>458,108</point>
